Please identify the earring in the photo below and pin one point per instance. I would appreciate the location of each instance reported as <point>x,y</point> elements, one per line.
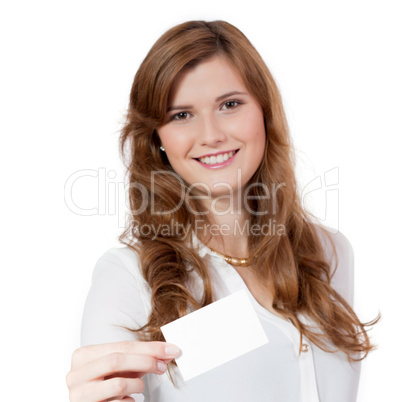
<point>162,149</point>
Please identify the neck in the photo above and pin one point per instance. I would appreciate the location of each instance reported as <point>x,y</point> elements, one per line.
<point>226,231</point>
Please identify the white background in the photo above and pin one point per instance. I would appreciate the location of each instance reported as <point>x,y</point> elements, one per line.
<point>66,73</point>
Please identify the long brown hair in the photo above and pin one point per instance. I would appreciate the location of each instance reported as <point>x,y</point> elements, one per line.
<point>294,263</point>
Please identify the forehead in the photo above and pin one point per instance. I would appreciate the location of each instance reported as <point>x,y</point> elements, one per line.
<point>209,78</point>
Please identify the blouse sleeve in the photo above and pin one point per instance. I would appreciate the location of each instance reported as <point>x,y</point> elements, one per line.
<point>115,301</point>
<point>342,264</point>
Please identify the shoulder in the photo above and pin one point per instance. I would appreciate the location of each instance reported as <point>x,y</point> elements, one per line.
<point>335,243</point>
<point>121,255</point>
<point>117,262</point>
<point>338,252</point>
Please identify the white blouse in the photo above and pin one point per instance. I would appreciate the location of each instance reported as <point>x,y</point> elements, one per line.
<point>120,297</point>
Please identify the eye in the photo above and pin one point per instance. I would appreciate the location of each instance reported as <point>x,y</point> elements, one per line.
<point>180,116</point>
<point>232,104</point>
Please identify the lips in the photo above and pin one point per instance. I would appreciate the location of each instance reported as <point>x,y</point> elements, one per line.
<point>216,158</point>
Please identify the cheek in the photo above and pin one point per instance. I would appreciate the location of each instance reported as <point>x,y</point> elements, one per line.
<point>175,142</point>
<point>253,129</point>
<point>259,127</point>
<point>257,137</point>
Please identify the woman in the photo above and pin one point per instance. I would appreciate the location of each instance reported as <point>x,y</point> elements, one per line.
<point>215,209</point>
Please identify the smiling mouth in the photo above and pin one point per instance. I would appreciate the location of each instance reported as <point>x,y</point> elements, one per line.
<point>214,159</point>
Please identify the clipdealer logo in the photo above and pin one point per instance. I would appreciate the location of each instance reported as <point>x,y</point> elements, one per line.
<point>90,192</point>
<point>323,191</point>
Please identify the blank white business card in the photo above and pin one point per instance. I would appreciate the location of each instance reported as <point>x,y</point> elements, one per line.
<point>215,334</point>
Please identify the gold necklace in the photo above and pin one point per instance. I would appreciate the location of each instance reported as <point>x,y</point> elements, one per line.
<point>237,262</point>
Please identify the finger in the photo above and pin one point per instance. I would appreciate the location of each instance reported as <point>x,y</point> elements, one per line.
<point>131,374</point>
<point>160,350</point>
<point>115,388</point>
<point>115,363</point>
<point>125,399</point>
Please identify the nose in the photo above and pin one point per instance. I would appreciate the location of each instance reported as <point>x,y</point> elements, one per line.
<point>210,131</point>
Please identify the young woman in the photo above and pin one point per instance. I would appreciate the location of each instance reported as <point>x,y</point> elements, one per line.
<point>215,209</point>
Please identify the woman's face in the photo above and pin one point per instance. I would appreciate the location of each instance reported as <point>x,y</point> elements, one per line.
<point>214,134</point>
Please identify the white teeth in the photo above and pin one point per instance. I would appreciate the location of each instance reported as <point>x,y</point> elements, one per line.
<point>212,160</point>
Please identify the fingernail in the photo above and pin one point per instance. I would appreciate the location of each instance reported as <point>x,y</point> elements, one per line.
<point>172,350</point>
<point>162,367</point>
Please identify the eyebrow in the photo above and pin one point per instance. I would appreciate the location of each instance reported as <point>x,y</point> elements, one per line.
<point>219,98</point>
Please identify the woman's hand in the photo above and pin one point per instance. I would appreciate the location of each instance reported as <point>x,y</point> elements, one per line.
<point>113,371</point>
